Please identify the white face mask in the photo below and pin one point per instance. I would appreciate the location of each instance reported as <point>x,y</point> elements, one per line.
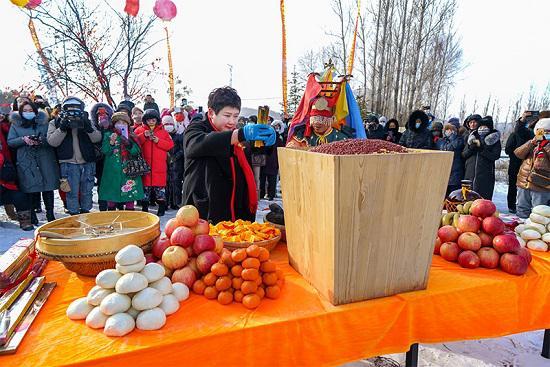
<point>170,128</point>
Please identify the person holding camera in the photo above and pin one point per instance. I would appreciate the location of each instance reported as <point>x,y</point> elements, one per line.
<point>37,168</point>
<point>533,180</point>
<point>74,136</point>
<point>481,150</point>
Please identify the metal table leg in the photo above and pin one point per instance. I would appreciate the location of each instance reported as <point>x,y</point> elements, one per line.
<point>546,344</point>
<point>411,359</point>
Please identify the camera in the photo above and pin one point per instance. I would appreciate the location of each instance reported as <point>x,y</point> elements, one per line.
<point>75,118</point>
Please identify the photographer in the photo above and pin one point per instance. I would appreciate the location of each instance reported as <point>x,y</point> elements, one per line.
<point>37,168</point>
<point>74,136</point>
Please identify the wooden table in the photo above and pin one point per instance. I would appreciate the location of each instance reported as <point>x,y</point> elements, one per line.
<point>301,328</point>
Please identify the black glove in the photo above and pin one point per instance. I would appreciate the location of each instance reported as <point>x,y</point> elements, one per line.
<point>87,125</point>
<point>64,125</point>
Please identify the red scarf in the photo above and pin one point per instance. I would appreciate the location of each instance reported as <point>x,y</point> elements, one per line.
<point>248,175</point>
<point>539,150</point>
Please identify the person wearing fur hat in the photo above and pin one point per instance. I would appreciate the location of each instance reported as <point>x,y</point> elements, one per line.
<point>521,134</point>
<point>417,135</point>
<point>452,142</point>
<point>100,115</point>
<point>392,131</point>
<point>481,151</point>
<point>74,137</point>
<point>534,174</point>
<point>437,132</point>
<point>175,163</point>
<point>118,146</point>
<point>37,166</point>
<point>155,143</point>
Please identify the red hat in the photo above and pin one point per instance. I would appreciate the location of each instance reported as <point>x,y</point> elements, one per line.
<point>321,107</point>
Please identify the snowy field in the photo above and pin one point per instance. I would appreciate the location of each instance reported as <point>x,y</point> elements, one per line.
<point>519,350</point>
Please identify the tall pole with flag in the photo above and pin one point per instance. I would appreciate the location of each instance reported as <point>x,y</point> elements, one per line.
<point>284,69</point>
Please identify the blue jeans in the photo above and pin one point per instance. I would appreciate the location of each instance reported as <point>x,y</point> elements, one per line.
<point>527,199</point>
<point>81,179</point>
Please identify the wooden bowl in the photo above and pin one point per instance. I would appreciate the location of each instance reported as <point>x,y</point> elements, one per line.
<point>88,243</point>
<point>280,227</point>
<point>268,244</point>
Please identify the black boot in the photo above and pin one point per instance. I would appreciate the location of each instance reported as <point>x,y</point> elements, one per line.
<point>49,215</point>
<point>34,218</point>
<point>145,207</point>
<point>48,203</point>
<point>24,218</point>
<point>162,208</point>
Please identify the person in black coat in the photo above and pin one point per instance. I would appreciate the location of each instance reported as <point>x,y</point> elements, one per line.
<point>481,150</point>
<point>174,185</point>
<point>452,142</point>
<point>392,131</point>
<point>417,135</point>
<point>218,179</point>
<point>374,129</point>
<point>269,172</point>
<point>519,136</point>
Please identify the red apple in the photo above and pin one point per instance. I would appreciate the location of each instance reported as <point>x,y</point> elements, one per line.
<point>219,244</point>
<point>468,223</point>
<point>182,236</point>
<point>150,258</point>
<point>483,208</point>
<point>206,260</point>
<point>449,251</point>
<point>437,246</point>
<point>468,259</point>
<point>168,272</point>
<point>506,243</point>
<point>184,275</point>
<point>488,257</point>
<point>190,251</point>
<point>175,257</point>
<point>193,265</point>
<point>160,244</point>
<point>525,253</point>
<point>513,264</point>
<point>170,226</point>
<point>486,240</point>
<point>493,225</point>
<point>202,227</point>
<point>469,241</point>
<point>203,243</point>
<point>447,234</point>
<point>187,216</point>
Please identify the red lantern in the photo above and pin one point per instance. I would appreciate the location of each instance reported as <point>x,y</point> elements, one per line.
<point>33,4</point>
<point>165,9</point>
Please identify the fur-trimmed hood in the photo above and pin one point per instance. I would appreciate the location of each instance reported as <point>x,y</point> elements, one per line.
<point>41,118</point>
<point>96,107</point>
<point>492,138</point>
<point>420,115</point>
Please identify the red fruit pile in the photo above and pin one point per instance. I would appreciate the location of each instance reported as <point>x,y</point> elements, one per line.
<point>245,276</point>
<point>481,239</point>
<point>186,250</point>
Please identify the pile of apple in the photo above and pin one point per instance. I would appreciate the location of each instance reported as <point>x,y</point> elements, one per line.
<point>186,250</point>
<point>482,239</point>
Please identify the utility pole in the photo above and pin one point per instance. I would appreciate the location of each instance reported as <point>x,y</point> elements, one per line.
<point>230,75</point>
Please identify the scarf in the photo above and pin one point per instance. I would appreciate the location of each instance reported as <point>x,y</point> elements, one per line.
<point>124,154</point>
<point>238,152</point>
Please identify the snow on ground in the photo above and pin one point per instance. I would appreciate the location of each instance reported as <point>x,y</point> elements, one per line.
<point>519,350</point>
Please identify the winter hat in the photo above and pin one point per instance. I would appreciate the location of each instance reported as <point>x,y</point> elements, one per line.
<point>151,114</point>
<point>126,106</point>
<point>383,120</point>
<point>95,109</point>
<point>168,119</point>
<point>372,118</point>
<point>417,115</point>
<point>454,121</point>
<point>487,121</point>
<point>437,126</point>
<point>543,124</point>
<point>278,126</point>
<point>120,116</point>
<point>73,102</point>
<point>474,117</point>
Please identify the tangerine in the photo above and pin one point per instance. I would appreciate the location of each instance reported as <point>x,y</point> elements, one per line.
<point>250,274</point>
<point>199,286</point>
<point>211,292</point>
<point>251,301</point>
<point>238,255</point>
<point>280,274</point>
<point>225,297</point>
<point>273,292</point>
<point>248,287</point>
<point>251,263</point>
<point>238,296</point>
<point>258,281</point>
<point>226,258</point>
<point>237,270</point>
<point>210,279</point>
<point>223,283</point>
<point>253,251</point>
<point>270,278</point>
<point>268,267</point>
<point>219,269</point>
<point>260,292</point>
<point>264,254</point>
<point>237,282</point>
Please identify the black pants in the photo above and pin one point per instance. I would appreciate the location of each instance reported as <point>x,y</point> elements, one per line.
<point>271,185</point>
<point>20,200</point>
<point>512,191</point>
<point>47,196</point>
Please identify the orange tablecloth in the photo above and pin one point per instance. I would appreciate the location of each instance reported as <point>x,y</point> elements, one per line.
<point>300,328</point>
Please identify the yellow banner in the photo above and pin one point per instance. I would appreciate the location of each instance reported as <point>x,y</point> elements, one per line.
<point>284,71</point>
<point>170,70</point>
<point>352,53</point>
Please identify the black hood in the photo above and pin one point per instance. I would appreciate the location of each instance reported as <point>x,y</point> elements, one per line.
<point>97,106</point>
<point>415,115</point>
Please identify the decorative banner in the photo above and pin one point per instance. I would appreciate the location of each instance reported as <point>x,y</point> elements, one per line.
<point>352,53</point>
<point>170,70</point>
<point>20,3</point>
<point>32,4</point>
<point>43,57</point>
<point>284,71</point>
<point>132,7</point>
<point>165,9</point>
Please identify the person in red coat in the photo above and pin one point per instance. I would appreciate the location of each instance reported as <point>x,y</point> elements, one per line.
<point>155,143</point>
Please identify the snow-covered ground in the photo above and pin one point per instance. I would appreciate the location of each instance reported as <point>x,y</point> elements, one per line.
<point>519,350</point>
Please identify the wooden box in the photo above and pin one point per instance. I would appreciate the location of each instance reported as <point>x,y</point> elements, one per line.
<point>363,226</point>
